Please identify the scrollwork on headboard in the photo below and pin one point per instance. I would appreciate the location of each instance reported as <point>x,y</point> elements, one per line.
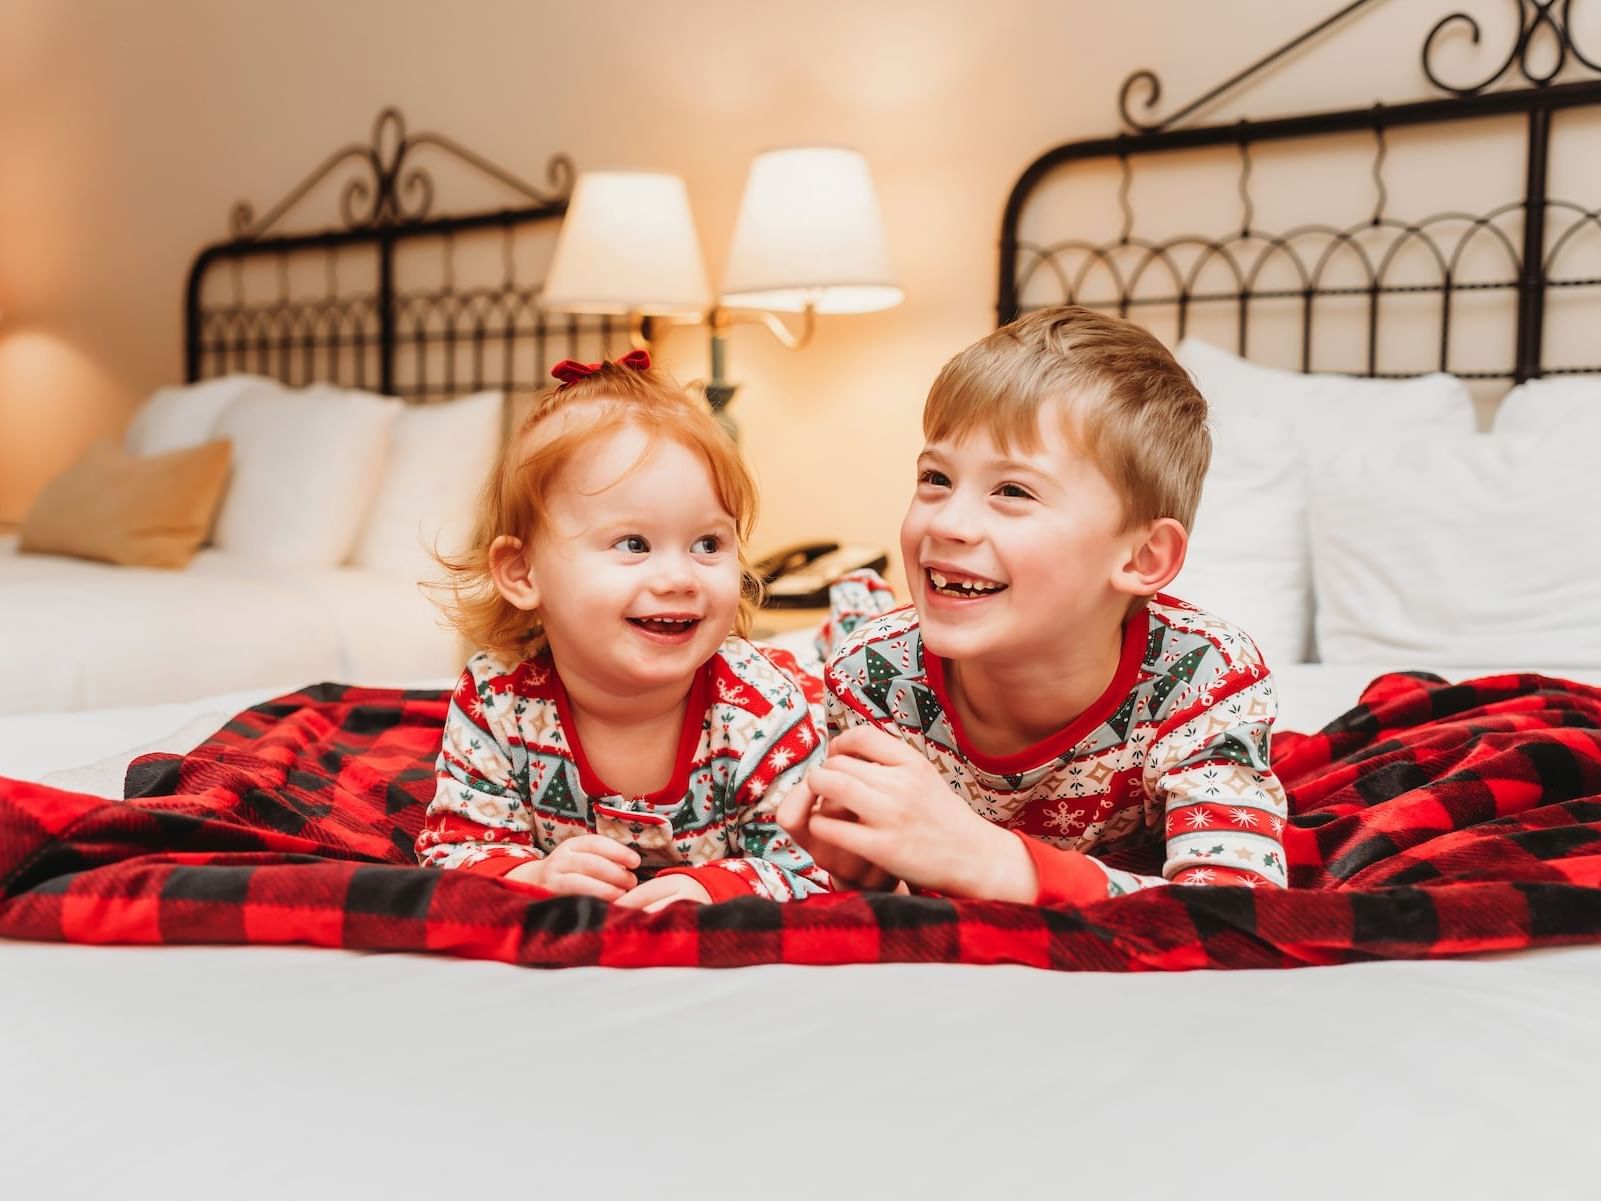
<point>1532,235</point>
<point>407,301</point>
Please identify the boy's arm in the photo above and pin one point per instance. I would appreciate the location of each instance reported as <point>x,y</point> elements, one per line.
<point>478,820</point>
<point>1223,809</point>
<point>771,864</point>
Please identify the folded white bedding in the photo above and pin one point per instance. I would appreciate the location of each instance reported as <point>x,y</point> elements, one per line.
<point>80,635</point>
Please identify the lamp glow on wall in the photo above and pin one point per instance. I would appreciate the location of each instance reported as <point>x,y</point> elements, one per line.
<point>809,239</point>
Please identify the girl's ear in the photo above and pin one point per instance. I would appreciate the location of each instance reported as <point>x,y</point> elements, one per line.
<point>513,573</point>
<point>1154,560</point>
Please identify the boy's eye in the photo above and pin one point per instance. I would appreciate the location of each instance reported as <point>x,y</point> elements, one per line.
<point>937,479</point>
<point>1015,491</point>
<point>633,544</point>
<point>708,545</point>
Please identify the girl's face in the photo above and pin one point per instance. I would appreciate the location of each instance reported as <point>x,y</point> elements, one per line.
<point>637,568</point>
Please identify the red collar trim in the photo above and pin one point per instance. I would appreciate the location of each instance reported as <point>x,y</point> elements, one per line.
<point>1136,632</point>
<point>677,786</point>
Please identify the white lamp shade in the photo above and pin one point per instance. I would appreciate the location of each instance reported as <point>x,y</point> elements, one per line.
<point>627,245</point>
<point>809,231</point>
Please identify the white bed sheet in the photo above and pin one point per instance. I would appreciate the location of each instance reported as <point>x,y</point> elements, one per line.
<point>79,635</point>
<point>270,1073</point>
<point>266,1072</point>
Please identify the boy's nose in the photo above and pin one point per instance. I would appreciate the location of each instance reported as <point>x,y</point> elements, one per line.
<point>952,522</point>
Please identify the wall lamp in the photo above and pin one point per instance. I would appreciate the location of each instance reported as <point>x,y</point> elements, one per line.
<point>809,239</point>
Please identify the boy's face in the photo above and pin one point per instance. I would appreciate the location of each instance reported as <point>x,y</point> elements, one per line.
<point>637,569</point>
<point>1011,555</point>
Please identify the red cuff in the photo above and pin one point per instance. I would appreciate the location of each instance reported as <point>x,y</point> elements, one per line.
<point>497,865</point>
<point>720,885</point>
<point>1066,877</point>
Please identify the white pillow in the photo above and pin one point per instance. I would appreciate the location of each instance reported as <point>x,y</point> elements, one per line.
<point>1247,560</point>
<point>1568,402</point>
<point>1473,549</point>
<point>306,465</point>
<point>1321,408</point>
<point>1260,566</point>
<point>186,415</point>
<point>439,457</point>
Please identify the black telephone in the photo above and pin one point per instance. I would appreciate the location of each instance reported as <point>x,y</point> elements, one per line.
<point>798,576</point>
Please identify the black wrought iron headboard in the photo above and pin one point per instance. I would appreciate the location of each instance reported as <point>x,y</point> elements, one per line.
<point>1533,233</point>
<point>396,300</point>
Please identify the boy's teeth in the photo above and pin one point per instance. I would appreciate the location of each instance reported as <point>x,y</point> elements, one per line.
<point>965,587</point>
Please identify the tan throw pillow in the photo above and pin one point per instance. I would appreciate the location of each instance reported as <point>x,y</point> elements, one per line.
<point>139,512</point>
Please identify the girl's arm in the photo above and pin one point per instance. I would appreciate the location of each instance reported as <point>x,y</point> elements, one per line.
<point>479,819</point>
<point>770,863</point>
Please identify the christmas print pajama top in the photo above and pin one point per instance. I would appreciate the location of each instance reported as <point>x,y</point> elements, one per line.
<point>1175,751</point>
<point>513,781</point>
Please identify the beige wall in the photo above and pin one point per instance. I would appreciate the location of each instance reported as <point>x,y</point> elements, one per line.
<point>127,130</point>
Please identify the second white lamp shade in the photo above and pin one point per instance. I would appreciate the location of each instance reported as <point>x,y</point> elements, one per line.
<point>809,232</point>
<point>627,245</point>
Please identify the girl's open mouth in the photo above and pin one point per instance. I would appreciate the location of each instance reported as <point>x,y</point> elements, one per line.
<point>670,628</point>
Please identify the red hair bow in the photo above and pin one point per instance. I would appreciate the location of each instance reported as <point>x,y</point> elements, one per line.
<point>570,371</point>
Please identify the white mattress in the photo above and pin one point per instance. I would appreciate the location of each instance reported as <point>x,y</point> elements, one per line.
<point>268,1072</point>
<point>81,635</point>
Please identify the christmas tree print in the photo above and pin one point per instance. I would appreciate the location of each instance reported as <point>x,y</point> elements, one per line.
<point>1235,749</point>
<point>1153,646</point>
<point>929,710</point>
<point>1186,667</point>
<point>1161,688</point>
<point>880,673</point>
<point>1122,719</point>
<point>1181,672</point>
<point>558,796</point>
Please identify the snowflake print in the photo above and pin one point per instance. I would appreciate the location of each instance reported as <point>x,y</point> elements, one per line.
<point>1243,818</point>
<point>780,759</point>
<point>1198,818</point>
<point>1199,875</point>
<point>1063,818</point>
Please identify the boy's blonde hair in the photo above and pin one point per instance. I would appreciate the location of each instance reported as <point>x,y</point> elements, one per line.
<point>1123,399</point>
<point>516,497</point>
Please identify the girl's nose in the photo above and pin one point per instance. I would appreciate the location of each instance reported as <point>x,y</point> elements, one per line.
<point>673,573</point>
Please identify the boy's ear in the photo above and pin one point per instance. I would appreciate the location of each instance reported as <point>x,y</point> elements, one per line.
<point>1155,559</point>
<point>513,573</point>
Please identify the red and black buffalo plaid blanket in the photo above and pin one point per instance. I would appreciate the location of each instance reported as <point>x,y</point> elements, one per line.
<point>1431,820</point>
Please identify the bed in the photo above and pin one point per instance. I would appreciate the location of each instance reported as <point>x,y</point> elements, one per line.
<point>361,373</point>
<point>257,1071</point>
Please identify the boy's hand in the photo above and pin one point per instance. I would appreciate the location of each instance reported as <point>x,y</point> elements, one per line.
<point>909,823</point>
<point>590,865</point>
<point>849,872</point>
<point>664,891</point>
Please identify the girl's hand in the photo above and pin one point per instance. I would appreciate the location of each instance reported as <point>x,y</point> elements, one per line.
<point>589,865</point>
<point>664,891</point>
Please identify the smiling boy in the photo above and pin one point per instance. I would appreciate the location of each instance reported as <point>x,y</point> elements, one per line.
<point>1044,699</point>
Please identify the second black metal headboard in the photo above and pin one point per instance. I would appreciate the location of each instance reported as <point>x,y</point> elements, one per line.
<point>1531,234</point>
<point>394,299</point>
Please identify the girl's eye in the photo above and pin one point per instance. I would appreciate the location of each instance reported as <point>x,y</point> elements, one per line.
<point>1015,492</point>
<point>937,479</point>
<point>709,545</point>
<point>633,544</point>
